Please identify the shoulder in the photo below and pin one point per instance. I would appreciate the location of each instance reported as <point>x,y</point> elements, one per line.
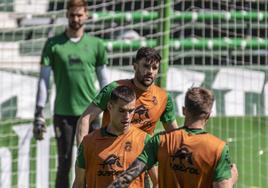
<point>93,39</point>
<point>138,132</point>
<point>214,142</point>
<point>109,87</point>
<point>91,137</point>
<point>57,39</point>
<point>159,91</point>
<point>214,138</point>
<point>125,82</point>
<point>171,133</point>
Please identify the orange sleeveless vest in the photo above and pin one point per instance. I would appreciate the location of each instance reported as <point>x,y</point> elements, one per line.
<point>187,160</point>
<point>107,156</point>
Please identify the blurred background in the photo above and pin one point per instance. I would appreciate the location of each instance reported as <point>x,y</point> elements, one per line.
<point>219,44</point>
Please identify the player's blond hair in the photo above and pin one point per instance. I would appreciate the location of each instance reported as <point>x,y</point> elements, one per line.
<point>199,102</point>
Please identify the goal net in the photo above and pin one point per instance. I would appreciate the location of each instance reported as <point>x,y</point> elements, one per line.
<point>221,45</point>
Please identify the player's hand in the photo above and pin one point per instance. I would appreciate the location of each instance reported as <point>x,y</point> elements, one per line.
<point>39,128</point>
<point>119,182</point>
<point>39,124</point>
<point>234,173</point>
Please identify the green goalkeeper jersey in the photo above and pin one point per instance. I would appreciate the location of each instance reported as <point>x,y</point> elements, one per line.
<point>73,65</point>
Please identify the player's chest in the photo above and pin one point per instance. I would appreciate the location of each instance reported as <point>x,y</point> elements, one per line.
<point>149,106</point>
<point>80,57</point>
<point>115,157</point>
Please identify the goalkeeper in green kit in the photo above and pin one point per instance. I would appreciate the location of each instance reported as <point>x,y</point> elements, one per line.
<point>74,57</point>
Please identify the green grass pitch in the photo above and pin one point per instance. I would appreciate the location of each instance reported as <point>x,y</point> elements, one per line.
<point>246,136</point>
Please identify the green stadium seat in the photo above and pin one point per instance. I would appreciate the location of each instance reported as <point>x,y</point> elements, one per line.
<point>6,5</point>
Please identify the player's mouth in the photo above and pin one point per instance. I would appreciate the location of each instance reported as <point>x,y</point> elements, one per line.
<point>75,25</point>
<point>148,78</point>
<point>125,123</point>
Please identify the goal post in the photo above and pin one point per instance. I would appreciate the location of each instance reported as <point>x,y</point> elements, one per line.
<point>164,27</point>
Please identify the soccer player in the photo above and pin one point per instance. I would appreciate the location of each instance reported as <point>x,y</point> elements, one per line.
<point>108,151</point>
<point>73,56</point>
<point>153,103</point>
<point>188,157</point>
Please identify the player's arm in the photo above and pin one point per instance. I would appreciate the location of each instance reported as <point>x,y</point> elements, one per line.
<point>101,68</point>
<point>168,118</point>
<point>133,171</point>
<point>43,86</point>
<point>101,72</point>
<point>84,121</point>
<point>229,183</point>
<point>226,174</point>
<point>39,127</point>
<point>153,173</point>
<point>79,180</point>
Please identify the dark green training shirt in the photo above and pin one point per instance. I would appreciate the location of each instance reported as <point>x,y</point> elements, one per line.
<point>73,66</point>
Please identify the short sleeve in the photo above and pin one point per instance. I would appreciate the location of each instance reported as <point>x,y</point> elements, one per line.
<point>169,113</point>
<point>102,55</point>
<point>104,95</point>
<point>223,169</point>
<point>47,56</point>
<point>149,153</point>
<point>147,138</point>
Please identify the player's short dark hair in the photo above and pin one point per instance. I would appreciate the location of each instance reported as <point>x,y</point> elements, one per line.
<point>149,54</point>
<point>77,3</point>
<point>199,102</point>
<point>124,93</point>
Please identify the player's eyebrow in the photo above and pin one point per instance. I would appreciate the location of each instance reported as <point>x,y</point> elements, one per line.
<point>127,109</point>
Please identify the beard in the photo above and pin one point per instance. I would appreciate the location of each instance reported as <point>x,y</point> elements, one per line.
<point>144,80</point>
<point>75,26</point>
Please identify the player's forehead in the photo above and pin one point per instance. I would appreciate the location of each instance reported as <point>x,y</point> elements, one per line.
<point>77,10</point>
<point>150,62</point>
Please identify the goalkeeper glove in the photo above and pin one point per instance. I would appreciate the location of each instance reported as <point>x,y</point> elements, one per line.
<point>39,124</point>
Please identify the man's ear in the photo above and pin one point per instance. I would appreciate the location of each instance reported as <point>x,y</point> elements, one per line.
<point>208,115</point>
<point>135,65</point>
<point>109,106</point>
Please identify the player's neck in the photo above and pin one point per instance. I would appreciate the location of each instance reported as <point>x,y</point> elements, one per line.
<point>139,85</point>
<point>195,124</point>
<point>111,129</point>
<point>75,33</point>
